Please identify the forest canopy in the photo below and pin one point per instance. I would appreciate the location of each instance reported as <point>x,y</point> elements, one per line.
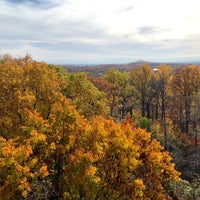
<point>73,136</point>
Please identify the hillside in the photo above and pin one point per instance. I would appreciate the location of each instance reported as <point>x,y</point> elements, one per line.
<point>99,70</point>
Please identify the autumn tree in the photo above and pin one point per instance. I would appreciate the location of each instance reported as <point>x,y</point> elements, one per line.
<point>185,86</point>
<point>141,78</point>
<point>120,93</point>
<point>116,161</point>
<point>25,84</point>
<point>22,161</point>
<point>11,89</point>
<point>195,118</point>
<point>163,77</point>
<point>89,101</point>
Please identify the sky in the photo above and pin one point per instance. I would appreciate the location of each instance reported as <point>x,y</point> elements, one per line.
<point>101,31</point>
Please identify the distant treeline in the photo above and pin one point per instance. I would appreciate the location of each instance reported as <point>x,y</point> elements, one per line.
<point>98,70</point>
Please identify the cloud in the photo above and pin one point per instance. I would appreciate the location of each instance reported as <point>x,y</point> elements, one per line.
<point>122,52</point>
<point>45,4</point>
<point>146,30</point>
<point>126,9</point>
<point>77,31</point>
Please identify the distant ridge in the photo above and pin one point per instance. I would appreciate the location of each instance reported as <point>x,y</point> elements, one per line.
<point>99,69</point>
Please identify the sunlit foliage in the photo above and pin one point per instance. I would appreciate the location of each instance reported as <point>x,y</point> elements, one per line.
<point>51,151</point>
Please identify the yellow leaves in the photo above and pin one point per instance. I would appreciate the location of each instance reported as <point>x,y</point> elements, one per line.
<point>62,119</point>
<point>163,73</point>
<point>57,148</point>
<point>89,101</point>
<point>139,183</point>
<point>139,188</point>
<point>98,147</point>
<point>25,98</point>
<point>33,162</point>
<point>94,156</point>
<point>11,150</point>
<point>156,157</point>
<point>24,193</point>
<point>15,167</point>
<point>97,179</point>
<point>91,171</point>
<point>130,151</point>
<point>53,146</point>
<point>100,126</point>
<point>168,167</point>
<point>37,137</point>
<point>24,187</point>
<point>35,121</point>
<point>81,155</point>
<point>43,172</point>
<point>133,164</point>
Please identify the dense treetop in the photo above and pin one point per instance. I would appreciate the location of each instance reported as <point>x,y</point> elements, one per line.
<point>66,136</point>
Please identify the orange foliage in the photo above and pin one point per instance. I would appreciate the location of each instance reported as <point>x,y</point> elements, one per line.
<point>45,142</point>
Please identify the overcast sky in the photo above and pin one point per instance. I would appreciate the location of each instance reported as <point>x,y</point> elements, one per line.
<point>101,31</point>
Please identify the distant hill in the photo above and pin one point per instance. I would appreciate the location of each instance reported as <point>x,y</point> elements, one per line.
<point>100,69</point>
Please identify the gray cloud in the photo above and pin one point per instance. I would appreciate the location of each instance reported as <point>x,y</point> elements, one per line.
<point>126,9</point>
<point>78,52</point>
<point>45,4</point>
<point>148,30</point>
<point>43,27</point>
